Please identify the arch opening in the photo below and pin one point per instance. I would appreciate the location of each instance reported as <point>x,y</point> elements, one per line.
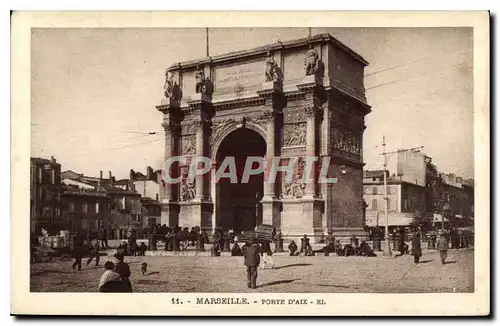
<point>238,204</point>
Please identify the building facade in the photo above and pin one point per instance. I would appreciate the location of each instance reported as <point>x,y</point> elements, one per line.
<point>123,206</point>
<point>148,186</point>
<point>45,195</point>
<point>85,208</point>
<point>406,201</point>
<point>288,100</point>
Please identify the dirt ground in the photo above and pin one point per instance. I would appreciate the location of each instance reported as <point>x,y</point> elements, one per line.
<point>292,274</point>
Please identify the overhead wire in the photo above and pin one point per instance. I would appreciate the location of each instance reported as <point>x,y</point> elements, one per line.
<point>413,76</point>
<point>117,148</point>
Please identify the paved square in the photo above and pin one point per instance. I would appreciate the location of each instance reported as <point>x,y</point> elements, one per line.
<point>292,274</point>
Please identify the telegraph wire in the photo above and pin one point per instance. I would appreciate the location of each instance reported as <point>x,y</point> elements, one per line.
<point>404,64</point>
<point>102,129</point>
<point>116,148</point>
<point>413,76</point>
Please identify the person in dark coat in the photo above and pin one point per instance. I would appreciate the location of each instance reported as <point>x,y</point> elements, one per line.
<point>330,241</point>
<point>292,247</point>
<point>123,269</point>
<point>203,238</point>
<point>402,241</point>
<point>278,240</point>
<point>94,253</point>
<point>103,236</point>
<point>227,241</point>
<point>416,248</point>
<point>236,250</point>
<point>305,246</point>
<point>365,250</point>
<point>78,251</point>
<point>442,246</point>
<point>142,249</point>
<point>252,261</point>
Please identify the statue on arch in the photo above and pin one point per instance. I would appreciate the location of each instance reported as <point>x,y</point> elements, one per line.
<point>203,84</point>
<point>171,89</point>
<point>312,63</point>
<point>273,71</point>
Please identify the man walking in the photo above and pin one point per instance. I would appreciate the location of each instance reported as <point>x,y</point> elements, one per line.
<point>416,248</point>
<point>104,237</point>
<point>78,251</point>
<point>94,253</point>
<point>442,246</point>
<point>252,261</point>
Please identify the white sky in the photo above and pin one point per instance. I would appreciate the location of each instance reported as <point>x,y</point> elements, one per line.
<point>89,86</point>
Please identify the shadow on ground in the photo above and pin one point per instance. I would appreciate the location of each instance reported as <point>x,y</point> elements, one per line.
<point>425,261</point>
<point>292,265</point>
<point>277,282</point>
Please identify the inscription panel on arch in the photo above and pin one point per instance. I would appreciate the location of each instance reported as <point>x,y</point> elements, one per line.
<point>240,76</point>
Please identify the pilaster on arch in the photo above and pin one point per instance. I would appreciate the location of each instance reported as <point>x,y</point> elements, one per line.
<point>228,128</point>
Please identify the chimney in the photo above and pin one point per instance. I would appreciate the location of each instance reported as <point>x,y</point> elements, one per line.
<point>156,197</point>
<point>99,182</point>
<point>111,179</point>
<point>132,175</point>
<point>53,160</point>
<point>149,173</point>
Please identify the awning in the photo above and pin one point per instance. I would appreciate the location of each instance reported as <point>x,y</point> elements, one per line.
<point>439,218</point>
<point>395,218</point>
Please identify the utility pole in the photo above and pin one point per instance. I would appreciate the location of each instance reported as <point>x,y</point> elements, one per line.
<point>387,248</point>
<point>208,46</point>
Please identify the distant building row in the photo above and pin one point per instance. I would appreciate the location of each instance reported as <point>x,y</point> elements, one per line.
<point>418,193</point>
<point>73,201</point>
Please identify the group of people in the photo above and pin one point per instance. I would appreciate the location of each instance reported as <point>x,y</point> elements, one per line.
<point>354,248</point>
<point>177,238</point>
<point>85,247</point>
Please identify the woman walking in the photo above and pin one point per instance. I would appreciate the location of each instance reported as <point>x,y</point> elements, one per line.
<point>416,249</point>
<point>442,246</point>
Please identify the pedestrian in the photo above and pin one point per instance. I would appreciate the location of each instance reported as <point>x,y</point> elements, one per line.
<point>123,269</point>
<point>402,238</point>
<point>265,251</point>
<point>305,246</point>
<point>104,237</point>
<point>442,246</point>
<point>278,240</point>
<point>292,247</point>
<point>416,249</point>
<point>94,253</point>
<point>252,261</point>
<point>78,251</point>
<point>330,241</point>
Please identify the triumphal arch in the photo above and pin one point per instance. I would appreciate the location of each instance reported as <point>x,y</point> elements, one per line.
<point>293,99</point>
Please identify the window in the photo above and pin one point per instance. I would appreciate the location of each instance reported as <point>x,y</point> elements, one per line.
<point>374,204</point>
<point>388,204</point>
<point>47,175</point>
<point>375,190</point>
<point>97,208</point>
<point>71,207</point>
<point>84,208</point>
<point>151,221</point>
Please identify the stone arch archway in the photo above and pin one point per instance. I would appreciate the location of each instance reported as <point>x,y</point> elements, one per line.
<point>237,205</point>
<point>222,129</point>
